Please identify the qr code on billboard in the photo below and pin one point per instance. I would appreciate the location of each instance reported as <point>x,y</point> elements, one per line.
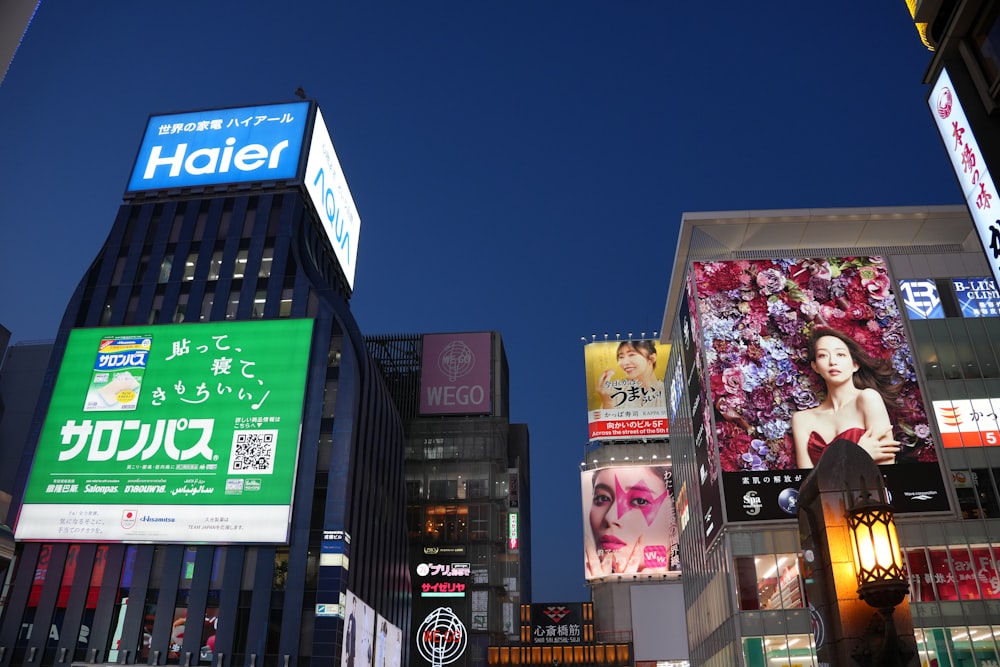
<point>253,452</point>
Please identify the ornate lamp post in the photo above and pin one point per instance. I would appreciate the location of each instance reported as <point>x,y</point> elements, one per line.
<point>882,581</point>
<point>851,562</point>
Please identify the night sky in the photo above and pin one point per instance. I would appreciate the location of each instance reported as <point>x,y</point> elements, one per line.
<point>518,166</point>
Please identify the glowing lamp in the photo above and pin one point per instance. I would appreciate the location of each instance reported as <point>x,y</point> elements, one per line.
<point>882,580</point>
<point>878,561</point>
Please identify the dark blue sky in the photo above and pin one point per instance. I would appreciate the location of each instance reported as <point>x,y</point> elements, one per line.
<point>519,166</point>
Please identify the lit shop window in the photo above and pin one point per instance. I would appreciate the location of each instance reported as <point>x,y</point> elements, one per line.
<point>769,582</point>
<point>960,645</point>
<point>977,492</point>
<point>780,651</point>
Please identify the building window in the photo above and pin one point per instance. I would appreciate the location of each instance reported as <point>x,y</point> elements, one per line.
<point>478,488</point>
<point>479,522</point>
<point>447,523</point>
<point>165,267</point>
<point>443,489</point>
<point>216,266</point>
<point>770,581</point>
<point>954,349</point>
<point>985,39</point>
<point>977,493</point>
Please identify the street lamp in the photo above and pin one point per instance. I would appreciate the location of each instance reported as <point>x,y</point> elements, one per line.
<point>852,563</point>
<point>882,581</point>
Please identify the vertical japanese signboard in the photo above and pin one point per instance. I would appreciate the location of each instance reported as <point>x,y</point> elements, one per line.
<point>332,200</point>
<point>706,456</point>
<point>626,398</point>
<point>969,164</point>
<point>171,433</point>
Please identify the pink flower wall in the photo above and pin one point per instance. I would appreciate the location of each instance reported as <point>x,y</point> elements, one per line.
<point>755,317</point>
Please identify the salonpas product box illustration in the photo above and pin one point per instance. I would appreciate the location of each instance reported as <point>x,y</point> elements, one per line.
<point>171,433</point>
<point>118,370</point>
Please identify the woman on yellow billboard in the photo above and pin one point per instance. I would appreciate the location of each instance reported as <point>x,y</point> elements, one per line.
<point>641,387</point>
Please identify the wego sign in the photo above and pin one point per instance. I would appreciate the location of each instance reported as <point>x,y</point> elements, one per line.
<point>455,377</point>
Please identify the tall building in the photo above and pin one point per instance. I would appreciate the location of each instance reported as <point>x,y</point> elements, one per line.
<point>21,376</point>
<point>631,557</point>
<point>17,394</point>
<point>912,288</point>
<point>963,101</point>
<point>215,471</point>
<point>15,16</point>
<point>20,383</point>
<point>467,492</point>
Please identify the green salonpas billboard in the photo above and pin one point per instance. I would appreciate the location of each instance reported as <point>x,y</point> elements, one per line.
<point>171,433</point>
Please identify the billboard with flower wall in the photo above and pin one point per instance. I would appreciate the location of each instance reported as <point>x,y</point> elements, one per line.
<point>759,319</point>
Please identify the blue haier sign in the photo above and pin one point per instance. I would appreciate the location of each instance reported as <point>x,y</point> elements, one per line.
<point>219,146</point>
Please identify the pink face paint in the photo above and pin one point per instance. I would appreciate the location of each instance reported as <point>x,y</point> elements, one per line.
<point>638,497</point>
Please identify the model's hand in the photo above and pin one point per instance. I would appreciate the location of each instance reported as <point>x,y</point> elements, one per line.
<point>598,566</point>
<point>603,389</point>
<point>630,561</point>
<point>881,447</point>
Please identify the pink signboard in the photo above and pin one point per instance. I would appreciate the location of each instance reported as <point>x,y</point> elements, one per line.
<point>456,373</point>
<point>960,574</point>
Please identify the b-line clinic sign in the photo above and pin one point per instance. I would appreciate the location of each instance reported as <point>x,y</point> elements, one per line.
<point>171,433</point>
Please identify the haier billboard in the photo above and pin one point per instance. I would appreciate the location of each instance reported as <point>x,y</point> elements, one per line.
<point>220,147</point>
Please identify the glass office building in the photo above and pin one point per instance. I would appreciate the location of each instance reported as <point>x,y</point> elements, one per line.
<point>467,492</point>
<point>226,297</point>
<point>909,284</point>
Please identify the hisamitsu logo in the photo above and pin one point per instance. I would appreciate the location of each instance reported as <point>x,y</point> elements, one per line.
<point>221,146</point>
<point>945,102</point>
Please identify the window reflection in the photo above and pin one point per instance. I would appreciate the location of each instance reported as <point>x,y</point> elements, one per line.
<point>769,582</point>
<point>958,348</point>
<point>780,650</point>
